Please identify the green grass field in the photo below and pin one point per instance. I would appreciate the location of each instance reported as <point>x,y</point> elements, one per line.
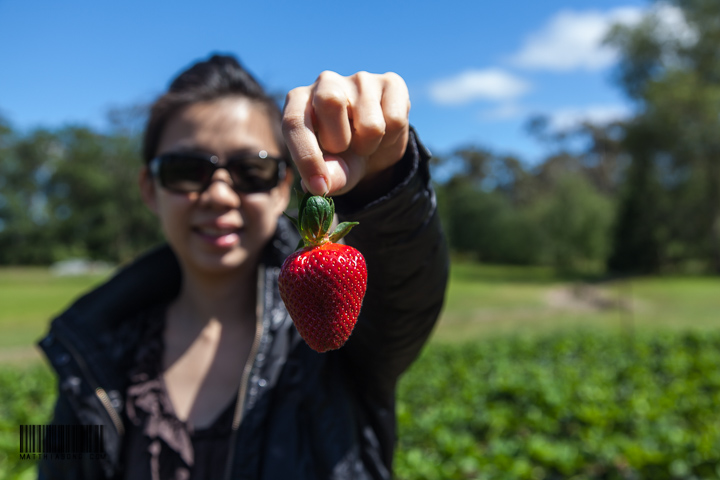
<point>29,298</point>
<point>487,300</point>
<point>482,300</point>
<point>530,397</point>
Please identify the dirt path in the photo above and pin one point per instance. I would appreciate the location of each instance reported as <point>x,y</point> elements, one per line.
<point>586,298</point>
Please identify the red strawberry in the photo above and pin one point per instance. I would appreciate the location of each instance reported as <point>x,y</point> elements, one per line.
<point>323,284</point>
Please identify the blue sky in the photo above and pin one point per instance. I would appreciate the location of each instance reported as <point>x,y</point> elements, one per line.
<point>476,70</point>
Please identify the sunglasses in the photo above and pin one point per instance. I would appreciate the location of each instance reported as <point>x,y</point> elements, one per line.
<point>187,172</point>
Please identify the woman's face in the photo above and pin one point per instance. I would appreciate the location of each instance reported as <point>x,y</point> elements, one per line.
<point>218,230</point>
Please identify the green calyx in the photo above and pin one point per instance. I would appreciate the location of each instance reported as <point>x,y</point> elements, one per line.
<point>315,216</point>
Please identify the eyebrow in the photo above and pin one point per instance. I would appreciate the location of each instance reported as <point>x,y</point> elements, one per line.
<point>189,149</point>
<point>245,151</point>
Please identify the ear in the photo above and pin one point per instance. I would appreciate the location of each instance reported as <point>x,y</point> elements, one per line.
<point>148,190</point>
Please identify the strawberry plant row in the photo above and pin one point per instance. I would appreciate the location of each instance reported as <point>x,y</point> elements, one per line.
<point>579,406</point>
<point>27,397</point>
<point>570,406</point>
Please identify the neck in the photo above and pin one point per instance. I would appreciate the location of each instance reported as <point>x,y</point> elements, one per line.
<point>226,299</point>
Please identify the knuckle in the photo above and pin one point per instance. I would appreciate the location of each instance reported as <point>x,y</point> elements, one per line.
<point>330,99</point>
<point>363,76</point>
<point>371,126</point>
<point>395,121</point>
<point>307,160</point>
<point>327,75</point>
<point>392,77</point>
<point>296,93</point>
<point>291,122</point>
<point>292,94</point>
<point>332,143</point>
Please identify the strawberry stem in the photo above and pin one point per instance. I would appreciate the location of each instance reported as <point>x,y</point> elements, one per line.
<point>315,216</point>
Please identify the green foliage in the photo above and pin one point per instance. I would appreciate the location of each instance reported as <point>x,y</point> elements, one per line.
<point>582,406</point>
<point>70,193</point>
<point>486,225</point>
<point>670,209</point>
<point>571,406</point>
<point>637,236</point>
<point>562,221</point>
<point>576,222</point>
<point>27,397</point>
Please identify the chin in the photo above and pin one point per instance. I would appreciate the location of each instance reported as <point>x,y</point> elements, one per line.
<point>219,264</point>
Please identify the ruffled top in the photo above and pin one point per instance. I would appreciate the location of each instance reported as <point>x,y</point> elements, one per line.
<point>158,445</point>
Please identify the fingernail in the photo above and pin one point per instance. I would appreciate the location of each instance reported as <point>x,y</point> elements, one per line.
<point>317,185</point>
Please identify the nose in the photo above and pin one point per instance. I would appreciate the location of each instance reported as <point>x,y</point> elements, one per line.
<point>220,192</point>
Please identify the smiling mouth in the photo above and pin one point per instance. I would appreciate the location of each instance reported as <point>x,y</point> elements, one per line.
<point>221,237</point>
<point>217,232</point>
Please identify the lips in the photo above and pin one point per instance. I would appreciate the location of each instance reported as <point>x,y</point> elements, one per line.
<point>218,234</point>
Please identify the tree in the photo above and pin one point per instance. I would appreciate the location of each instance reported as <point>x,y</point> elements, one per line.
<point>592,150</point>
<point>71,192</point>
<point>96,200</point>
<point>575,223</point>
<point>486,225</point>
<point>26,167</point>
<point>670,212</point>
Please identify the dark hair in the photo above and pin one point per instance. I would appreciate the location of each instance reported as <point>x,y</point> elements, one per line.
<point>217,77</point>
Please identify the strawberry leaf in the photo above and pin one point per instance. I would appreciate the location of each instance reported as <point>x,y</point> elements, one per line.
<point>342,230</point>
<point>315,217</point>
<point>293,220</point>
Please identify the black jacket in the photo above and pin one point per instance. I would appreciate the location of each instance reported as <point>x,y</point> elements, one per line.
<point>300,414</point>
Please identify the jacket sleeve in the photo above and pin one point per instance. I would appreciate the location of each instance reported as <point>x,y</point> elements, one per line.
<point>406,254</point>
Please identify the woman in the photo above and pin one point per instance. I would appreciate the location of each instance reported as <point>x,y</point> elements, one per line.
<point>187,357</point>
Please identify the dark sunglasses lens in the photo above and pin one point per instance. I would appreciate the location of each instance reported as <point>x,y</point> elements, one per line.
<point>185,173</point>
<point>254,174</point>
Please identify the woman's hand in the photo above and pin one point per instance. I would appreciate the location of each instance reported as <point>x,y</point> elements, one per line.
<point>345,130</point>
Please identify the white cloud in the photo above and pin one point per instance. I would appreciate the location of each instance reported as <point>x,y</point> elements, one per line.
<point>566,118</point>
<point>488,84</point>
<point>573,40</point>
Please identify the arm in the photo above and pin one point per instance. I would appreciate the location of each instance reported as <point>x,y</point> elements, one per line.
<point>402,241</point>
<point>350,136</point>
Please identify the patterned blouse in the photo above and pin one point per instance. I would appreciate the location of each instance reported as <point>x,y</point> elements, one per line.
<point>158,445</point>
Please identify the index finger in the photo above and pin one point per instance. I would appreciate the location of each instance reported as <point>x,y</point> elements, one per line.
<point>297,125</point>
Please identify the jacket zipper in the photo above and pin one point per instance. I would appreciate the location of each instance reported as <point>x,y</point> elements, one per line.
<point>100,392</point>
<point>242,392</point>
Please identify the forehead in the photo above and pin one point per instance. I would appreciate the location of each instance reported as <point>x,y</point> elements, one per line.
<point>220,126</point>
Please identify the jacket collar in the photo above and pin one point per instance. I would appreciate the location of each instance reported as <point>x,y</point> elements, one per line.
<point>99,324</point>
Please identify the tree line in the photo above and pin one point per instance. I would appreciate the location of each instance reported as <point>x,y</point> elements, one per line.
<point>635,196</point>
<point>71,193</point>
